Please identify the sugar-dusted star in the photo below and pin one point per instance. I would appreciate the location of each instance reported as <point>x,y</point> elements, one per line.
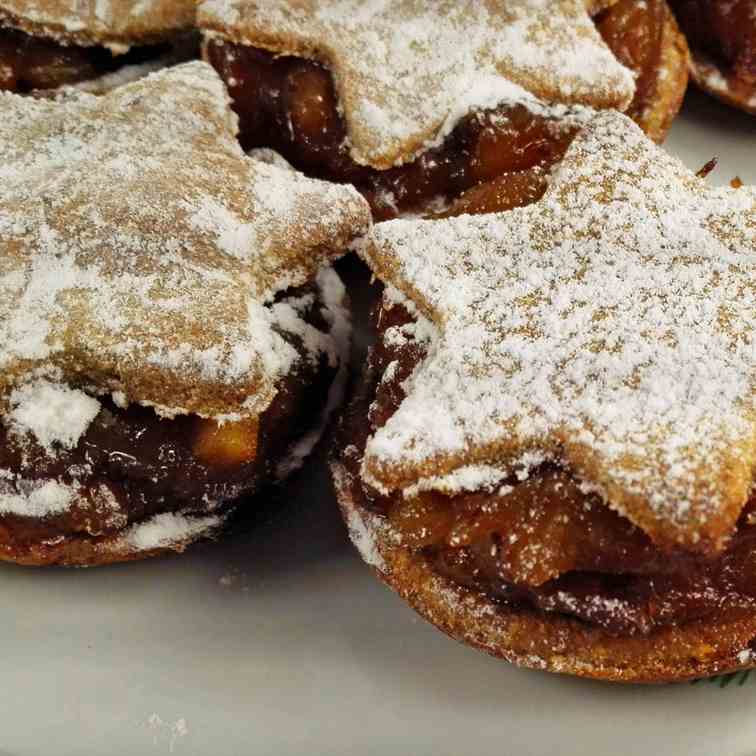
<point>407,70</point>
<point>141,250</point>
<point>609,327</point>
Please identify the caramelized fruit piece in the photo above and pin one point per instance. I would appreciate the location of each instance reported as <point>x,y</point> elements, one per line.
<point>311,106</point>
<point>422,523</point>
<point>514,140</point>
<point>8,79</point>
<point>537,531</point>
<point>505,192</point>
<point>547,545</point>
<point>707,168</point>
<point>226,445</point>
<point>644,36</point>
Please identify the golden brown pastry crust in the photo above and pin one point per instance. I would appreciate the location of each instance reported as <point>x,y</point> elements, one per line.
<point>144,256</point>
<point>671,81</point>
<point>660,97</point>
<point>119,23</point>
<point>543,641</point>
<point>429,268</point>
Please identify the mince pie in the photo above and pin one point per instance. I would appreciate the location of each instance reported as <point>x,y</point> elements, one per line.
<point>171,332</point>
<point>722,36</point>
<point>93,44</point>
<point>551,453</point>
<point>415,103</point>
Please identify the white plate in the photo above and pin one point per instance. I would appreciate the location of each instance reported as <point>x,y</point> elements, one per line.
<point>281,642</point>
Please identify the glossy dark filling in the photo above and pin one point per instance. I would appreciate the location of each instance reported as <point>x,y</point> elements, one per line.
<point>547,546</point>
<point>289,104</point>
<point>31,63</point>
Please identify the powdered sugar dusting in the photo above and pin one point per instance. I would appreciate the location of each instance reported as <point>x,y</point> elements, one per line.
<point>36,498</point>
<point>470,478</point>
<point>166,531</point>
<point>56,415</point>
<point>402,68</point>
<point>125,265</point>
<point>609,327</point>
<point>172,732</point>
<point>364,539</point>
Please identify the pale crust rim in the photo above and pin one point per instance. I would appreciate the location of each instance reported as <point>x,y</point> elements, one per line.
<point>155,29</point>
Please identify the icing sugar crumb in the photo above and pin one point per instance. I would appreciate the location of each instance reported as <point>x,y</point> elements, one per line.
<point>420,331</point>
<point>472,478</point>
<point>235,578</point>
<point>173,732</point>
<point>364,541</point>
<point>609,327</point>
<point>56,415</point>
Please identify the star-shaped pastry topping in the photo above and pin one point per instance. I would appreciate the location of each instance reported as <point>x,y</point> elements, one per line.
<point>407,70</point>
<point>141,251</point>
<point>104,22</point>
<point>609,327</point>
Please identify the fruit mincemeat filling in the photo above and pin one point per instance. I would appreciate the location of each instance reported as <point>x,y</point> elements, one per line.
<point>542,542</point>
<point>724,30</point>
<point>150,465</point>
<point>290,105</point>
<point>30,64</point>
